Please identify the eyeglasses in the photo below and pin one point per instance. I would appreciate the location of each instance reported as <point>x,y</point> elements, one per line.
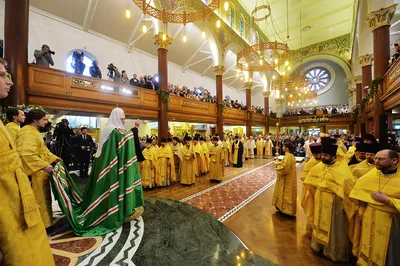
<point>380,159</point>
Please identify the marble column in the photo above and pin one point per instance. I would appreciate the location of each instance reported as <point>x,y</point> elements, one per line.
<point>248,86</point>
<point>162,40</point>
<point>266,108</point>
<point>219,71</point>
<point>379,21</point>
<point>16,31</point>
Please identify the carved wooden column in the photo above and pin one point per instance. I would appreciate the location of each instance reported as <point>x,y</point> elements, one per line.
<point>266,108</point>
<point>16,29</point>
<point>219,71</point>
<point>163,41</point>
<point>248,85</point>
<point>358,82</point>
<point>379,21</point>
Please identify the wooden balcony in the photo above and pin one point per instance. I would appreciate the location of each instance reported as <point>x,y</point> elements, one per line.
<point>235,116</point>
<point>59,90</point>
<point>391,87</point>
<point>321,120</point>
<point>184,109</point>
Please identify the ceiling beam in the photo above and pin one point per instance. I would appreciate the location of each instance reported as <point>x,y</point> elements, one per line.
<point>185,66</point>
<point>230,84</point>
<point>135,29</point>
<point>395,32</point>
<point>205,52</point>
<point>234,76</point>
<point>199,61</point>
<point>91,9</point>
<point>140,36</point>
<point>208,68</point>
<point>234,64</point>
<point>177,32</point>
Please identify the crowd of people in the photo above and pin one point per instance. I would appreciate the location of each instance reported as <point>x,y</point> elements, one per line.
<point>346,203</point>
<point>327,109</point>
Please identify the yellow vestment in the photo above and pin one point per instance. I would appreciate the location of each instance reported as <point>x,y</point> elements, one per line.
<point>372,234</point>
<point>201,161</point>
<point>188,174</point>
<point>176,151</point>
<point>226,145</point>
<point>148,168</point>
<point>268,148</point>
<point>362,168</point>
<point>329,208</point>
<point>166,166</point>
<point>217,160</point>
<point>206,153</point>
<point>260,147</point>
<point>35,156</point>
<point>13,129</point>
<point>351,152</point>
<point>285,194</point>
<point>305,195</point>
<point>23,239</point>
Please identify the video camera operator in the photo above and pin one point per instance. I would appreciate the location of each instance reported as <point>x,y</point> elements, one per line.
<point>43,57</point>
<point>113,73</point>
<point>94,70</point>
<point>77,62</point>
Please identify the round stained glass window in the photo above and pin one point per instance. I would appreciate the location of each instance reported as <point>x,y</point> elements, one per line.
<point>317,78</point>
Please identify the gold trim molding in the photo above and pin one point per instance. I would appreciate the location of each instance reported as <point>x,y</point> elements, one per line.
<point>366,60</point>
<point>266,94</point>
<point>381,17</point>
<point>247,85</point>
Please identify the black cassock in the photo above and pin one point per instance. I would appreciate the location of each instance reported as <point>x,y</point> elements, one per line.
<point>239,162</point>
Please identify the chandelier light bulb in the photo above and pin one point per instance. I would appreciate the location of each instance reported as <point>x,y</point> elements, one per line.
<point>261,62</point>
<point>241,78</point>
<point>287,63</point>
<point>276,61</point>
<point>283,73</point>
<point>144,28</point>
<point>289,68</point>
<point>251,80</point>
<point>184,38</point>
<point>291,95</point>
<point>285,89</point>
<point>273,77</point>
<point>203,34</point>
<point>226,5</point>
<point>218,24</point>
<point>164,37</point>
<point>128,13</point>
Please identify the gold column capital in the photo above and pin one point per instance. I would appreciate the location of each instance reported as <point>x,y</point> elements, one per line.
<point>162,40</point>
<point>366,60</point>
<point>358,79</point>
<point>248,84</point>
<point>219,70</point>
<point>266,94</point>
<point>381,17</point>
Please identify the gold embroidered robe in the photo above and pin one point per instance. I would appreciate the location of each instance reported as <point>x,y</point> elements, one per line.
<point>371,238</point>
<point>362,168</point>
<point>166,166</point>
<point>285,193</point>
<point>13,129</point>
<point>260,147</point>
<point>188,174</point>
<point>35,156</point>
<point>217,160</point>
<point>176,151</point>
<point>23,239</point>
<point>148,168</point>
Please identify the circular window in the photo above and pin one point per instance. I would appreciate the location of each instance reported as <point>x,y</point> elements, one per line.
<point>87,60</point>
<point>317,78</point>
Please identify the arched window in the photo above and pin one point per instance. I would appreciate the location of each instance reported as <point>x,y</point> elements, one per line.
<point>241,26</point>
<point>231,17</point>
<point>87,60</point>
<point>317,78</point>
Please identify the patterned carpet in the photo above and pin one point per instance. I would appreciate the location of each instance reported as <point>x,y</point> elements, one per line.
<point>225,199</point>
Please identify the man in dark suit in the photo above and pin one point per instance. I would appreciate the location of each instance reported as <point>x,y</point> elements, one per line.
<point>85,145</point>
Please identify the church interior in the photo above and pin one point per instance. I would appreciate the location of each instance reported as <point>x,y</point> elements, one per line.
<point>208,94</point>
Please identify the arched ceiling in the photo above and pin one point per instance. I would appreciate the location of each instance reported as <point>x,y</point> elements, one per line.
<point>327,19</point>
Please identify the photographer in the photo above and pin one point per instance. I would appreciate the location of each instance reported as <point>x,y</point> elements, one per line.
<point>43,57</point>
<point>77,62</point>
<point>113,73</point>
<point>94,70</point>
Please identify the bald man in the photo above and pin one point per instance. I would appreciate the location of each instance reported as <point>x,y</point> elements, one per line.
<point>376,238</point>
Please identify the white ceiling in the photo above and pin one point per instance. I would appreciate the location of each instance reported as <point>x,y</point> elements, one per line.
<point>328,19</point>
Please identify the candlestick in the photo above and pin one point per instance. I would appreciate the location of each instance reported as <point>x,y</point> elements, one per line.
<point>277,144</point>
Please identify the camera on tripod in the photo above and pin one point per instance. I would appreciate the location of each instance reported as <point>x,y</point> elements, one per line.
<point>52,52</point>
